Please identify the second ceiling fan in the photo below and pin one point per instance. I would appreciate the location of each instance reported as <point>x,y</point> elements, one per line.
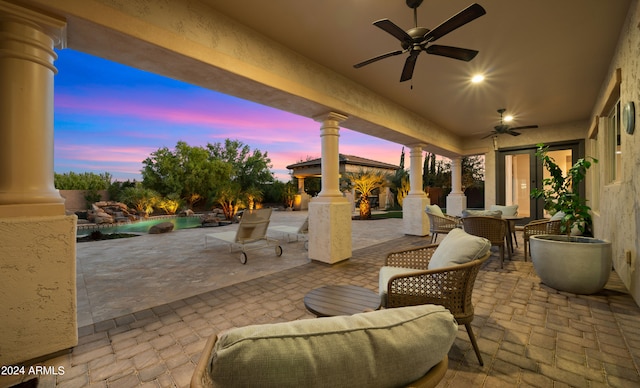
<point>503,128</point>
<point>419,39</point>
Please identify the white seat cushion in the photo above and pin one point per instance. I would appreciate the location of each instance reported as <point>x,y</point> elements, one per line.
<point>459,247</point>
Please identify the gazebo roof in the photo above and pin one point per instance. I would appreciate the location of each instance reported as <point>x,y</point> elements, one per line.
<point>346,159</point>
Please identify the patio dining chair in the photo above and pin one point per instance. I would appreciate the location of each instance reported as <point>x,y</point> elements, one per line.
<point>492,228</point>
<point>440,223</point>
<point>538,227</point>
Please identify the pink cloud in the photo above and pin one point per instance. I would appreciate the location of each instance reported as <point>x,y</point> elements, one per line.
<point>100,153</point>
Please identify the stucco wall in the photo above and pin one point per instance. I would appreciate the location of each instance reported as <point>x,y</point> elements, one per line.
<point>38,287</point>
<point>74,199</point>
<point>617,219</point>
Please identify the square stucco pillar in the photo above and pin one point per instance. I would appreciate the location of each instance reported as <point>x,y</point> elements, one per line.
<point>456,203</point>
<point>38,287</point>
<point>414,220</point>
<point>330,224</point>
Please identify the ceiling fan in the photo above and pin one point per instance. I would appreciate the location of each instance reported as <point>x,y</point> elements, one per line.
<point>419,39</point>
<point>504,128</point>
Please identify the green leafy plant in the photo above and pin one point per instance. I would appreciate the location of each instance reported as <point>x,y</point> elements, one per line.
<point>560,192</point>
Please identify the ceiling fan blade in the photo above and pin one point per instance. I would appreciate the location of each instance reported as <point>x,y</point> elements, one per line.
<point>525,127</point>
<point>409,65</point>
<point>463,17</point>
<point>510,132</point>
<point>383,56</point>
<point>391,28</point>
<point>452,52</point>
<point>494,133</point>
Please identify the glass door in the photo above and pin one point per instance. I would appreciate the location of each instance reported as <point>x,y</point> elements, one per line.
<point>519,171</point>
<point>516,175</point>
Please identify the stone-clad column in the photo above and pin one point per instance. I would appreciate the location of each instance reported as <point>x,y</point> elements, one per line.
<point>414,219</point>
<point>37,241</point>
<point>26,112</point>
<point>456,200</point>
<point>330,212</point>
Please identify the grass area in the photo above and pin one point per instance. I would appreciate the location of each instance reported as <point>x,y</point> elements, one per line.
<point>389,214</point>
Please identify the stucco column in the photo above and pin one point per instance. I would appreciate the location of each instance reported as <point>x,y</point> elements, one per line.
<point>330,211</point>
<point>456,200</point>
<point>330,162</point>
<point>37,241</point>
<point>26,112</point>
<point>414,219</point>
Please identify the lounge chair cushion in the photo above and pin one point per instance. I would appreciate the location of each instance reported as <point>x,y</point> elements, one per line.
<point>434,209</point>
<point>382,348</point>
<point>458,247</point>
<point>509,210</point>
<point>485,213</point>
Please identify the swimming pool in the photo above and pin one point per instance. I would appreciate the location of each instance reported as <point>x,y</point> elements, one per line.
<point>141,226</point>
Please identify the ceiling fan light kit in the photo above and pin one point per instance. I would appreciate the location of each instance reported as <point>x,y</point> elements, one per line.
<point>503,128</point>
<point>419,39</point>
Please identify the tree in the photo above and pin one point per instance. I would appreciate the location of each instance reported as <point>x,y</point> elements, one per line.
<point>365,181</point>
<point>186,171</point>
<point>249,171</point>
<point>82,181</point>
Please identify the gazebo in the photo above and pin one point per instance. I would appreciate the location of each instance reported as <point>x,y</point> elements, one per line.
<point>347,163</point>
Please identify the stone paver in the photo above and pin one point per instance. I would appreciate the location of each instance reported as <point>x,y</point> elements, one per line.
<point>530,335</point>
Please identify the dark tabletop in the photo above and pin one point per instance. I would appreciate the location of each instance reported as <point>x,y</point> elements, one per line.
<point>335,300</point>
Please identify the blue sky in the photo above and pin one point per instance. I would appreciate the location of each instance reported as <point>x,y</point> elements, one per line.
<point>110,117</point>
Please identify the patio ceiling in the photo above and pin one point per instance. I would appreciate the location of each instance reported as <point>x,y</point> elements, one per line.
<point>545,60</point>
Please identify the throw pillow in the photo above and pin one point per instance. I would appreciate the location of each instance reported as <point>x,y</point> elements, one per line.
<point>509,210</point>
<point>434,209</point>
<point>485,213</point>
<point>458,247</point>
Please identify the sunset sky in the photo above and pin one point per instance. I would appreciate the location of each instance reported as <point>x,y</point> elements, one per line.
<point>110,117</point>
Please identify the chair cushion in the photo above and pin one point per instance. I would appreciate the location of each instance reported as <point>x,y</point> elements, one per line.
<point>458,247</point>
<point>384,348</point>
<point>557,216</point>
<point>434,209</point>
<point>485,213</point>
<point>509,210</point>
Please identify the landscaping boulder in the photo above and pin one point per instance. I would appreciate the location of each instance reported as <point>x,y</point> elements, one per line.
<point>163,227</point>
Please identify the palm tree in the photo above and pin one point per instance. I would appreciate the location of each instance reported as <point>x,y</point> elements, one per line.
<point>365,181</point>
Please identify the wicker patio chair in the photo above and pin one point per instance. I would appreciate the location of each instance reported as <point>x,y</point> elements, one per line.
<point>451,287</point>
<point>537,227</point>
<point>492,228</point>
<point>441,225</point>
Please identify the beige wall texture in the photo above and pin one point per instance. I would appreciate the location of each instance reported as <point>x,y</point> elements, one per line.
<point>617,218</point>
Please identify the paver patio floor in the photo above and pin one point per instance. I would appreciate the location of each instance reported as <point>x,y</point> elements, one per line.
<point>530,335</point>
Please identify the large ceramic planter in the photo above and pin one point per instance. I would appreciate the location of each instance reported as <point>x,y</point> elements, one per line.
<point>580,265</point>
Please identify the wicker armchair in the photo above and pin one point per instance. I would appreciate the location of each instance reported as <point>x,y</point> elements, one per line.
<point>492,228</point>
<point>450,287</point>
<point>537,227</point>
<point>441,225</point>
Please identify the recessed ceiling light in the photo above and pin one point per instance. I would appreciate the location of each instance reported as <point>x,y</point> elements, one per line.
<point>476,79</point>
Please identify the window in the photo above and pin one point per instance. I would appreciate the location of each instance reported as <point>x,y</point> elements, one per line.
<point>613,147</point>
<point>594,175</point>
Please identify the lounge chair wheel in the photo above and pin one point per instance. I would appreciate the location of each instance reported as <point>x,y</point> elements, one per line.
<point>278,250</point>
<point>243,258</point>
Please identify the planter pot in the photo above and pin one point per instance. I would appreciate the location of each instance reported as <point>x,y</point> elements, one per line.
<point>580,265</point>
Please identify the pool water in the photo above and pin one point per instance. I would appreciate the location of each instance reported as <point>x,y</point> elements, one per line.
<point>143,226</point>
